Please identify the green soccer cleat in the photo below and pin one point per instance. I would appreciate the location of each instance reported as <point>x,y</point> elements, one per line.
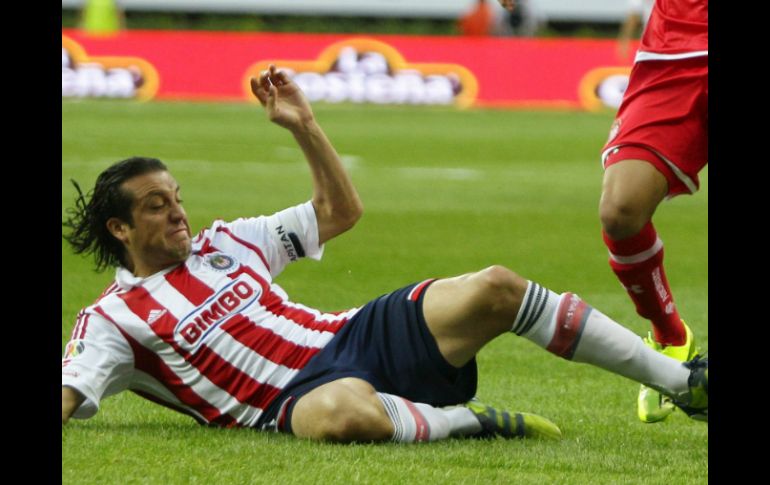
<point>495,422</point>
<point>652,406</point>
<point>697,404</point>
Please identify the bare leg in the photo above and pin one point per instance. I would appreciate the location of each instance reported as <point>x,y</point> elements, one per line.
<point>343,410</point>
<point>466,312</point>
<point>463,314</point>
<point>350,409</point>
<point>631,192</point>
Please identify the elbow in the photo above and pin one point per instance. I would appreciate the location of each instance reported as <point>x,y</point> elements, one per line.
<point>356,212</point>
<point>340,213</point>
<point>351,215</point>
<point>334,219</point>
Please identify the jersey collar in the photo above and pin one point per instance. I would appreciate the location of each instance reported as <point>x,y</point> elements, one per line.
<point>126,279</point>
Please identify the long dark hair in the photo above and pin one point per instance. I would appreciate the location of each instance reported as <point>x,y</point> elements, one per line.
<point>87,221</point>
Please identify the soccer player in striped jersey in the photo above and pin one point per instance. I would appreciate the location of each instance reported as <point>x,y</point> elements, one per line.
<point>197,323</point>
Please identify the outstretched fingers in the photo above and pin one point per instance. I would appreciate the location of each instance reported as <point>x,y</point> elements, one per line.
<point>259,89</point>
<point>264,87</point>
<point>278,78</point>
<point>272,95</point>
<point>282,99</point>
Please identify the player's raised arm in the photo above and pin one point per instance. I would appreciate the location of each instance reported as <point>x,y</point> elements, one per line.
<point>335,199</point>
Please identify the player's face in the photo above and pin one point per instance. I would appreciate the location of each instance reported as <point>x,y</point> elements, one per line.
<point>160,235</point>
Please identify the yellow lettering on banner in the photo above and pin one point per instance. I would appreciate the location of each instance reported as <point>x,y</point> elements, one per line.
<point>367,70</point>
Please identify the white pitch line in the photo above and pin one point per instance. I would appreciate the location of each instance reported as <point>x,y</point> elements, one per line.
<point>444,173</point>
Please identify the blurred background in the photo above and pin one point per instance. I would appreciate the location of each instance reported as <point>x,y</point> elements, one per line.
<point>547,53</point>
<point>589,18</point>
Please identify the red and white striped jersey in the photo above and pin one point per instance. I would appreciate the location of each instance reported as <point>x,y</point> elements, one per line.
<point>677,29</point>
<point>214,337</point>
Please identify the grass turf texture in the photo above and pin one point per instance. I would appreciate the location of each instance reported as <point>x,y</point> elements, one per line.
<point>445,192</point>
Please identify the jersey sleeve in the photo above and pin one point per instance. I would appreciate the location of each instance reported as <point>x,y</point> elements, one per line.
<point>283,237</point>
<point>98,362</point>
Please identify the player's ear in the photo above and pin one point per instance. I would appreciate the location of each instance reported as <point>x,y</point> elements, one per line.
<point>118,228</point>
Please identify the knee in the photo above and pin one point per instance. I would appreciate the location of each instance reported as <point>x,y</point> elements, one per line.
<point>345,418</point>
<point>500,289</point>
<point>337,422</point>
<point>620,219</point>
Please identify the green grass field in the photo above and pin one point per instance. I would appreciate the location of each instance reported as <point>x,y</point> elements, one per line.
<point>445,192</point>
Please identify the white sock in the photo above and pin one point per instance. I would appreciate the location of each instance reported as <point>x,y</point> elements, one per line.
<point>611,346</point>
<point>570,328</point>
<point>462,422</point>
<point>535,319</point>
<point>414,422</point>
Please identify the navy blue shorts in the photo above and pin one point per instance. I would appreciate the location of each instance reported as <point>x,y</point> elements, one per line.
<point>387,344</point>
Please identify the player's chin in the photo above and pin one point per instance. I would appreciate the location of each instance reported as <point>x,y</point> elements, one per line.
<point>181,250</point>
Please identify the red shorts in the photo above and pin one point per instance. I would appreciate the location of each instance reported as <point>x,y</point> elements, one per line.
<point>664,120</point>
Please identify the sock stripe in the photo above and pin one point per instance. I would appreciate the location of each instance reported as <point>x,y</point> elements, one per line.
<point>525,308</point>
<point>536,315</point>
<point>525,311</point>
<point>392,412</point>
<point>571,318</point>
<point>638,257</point>
<point>423,430</point>
<point>537,302</point>
<point>582,327</point>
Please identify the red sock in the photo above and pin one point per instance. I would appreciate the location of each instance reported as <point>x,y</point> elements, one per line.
<point>638,263</point>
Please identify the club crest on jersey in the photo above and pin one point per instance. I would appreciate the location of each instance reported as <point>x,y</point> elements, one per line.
<point>74,348</point>
<point>220,262</point>
<point>228,302</point>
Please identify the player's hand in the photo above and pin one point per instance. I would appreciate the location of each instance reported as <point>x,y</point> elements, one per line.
<point>508,4</point>
<point>284,101</point>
